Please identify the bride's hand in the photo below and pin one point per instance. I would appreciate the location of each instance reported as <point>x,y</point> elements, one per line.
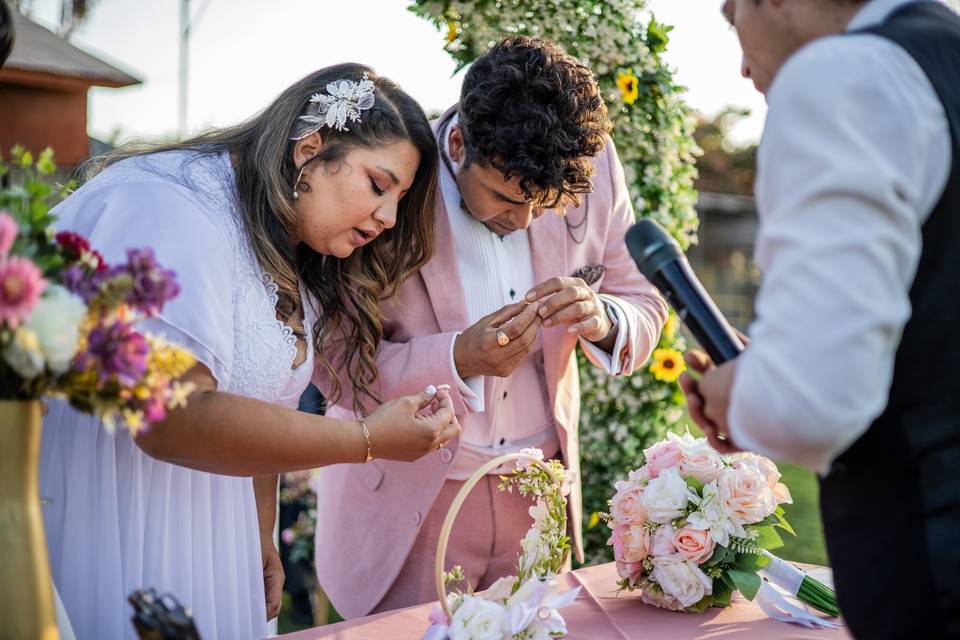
<point>412,426</point>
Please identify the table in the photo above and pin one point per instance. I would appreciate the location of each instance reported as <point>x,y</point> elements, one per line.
<point>599,613</point>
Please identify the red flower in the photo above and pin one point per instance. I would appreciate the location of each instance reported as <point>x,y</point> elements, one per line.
<point>73,244</point>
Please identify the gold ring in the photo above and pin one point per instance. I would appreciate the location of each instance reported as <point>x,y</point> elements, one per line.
<point>441,445</point>
<point>502,338</point>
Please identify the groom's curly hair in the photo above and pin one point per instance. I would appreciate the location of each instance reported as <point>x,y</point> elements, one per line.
<point>530,110</point>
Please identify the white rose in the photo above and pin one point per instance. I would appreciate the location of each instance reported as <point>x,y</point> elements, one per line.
<point>479,619</point>
<point>56,321</point>
<point>24,353</point>
<point>665,496</point>
<point>712,516</point>
<point>681,579</point>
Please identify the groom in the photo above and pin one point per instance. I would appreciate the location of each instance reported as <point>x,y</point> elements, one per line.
<point>532,208</point>
<point>853,367</point>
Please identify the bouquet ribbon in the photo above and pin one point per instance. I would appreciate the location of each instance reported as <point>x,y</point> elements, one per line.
<point>781,580</point>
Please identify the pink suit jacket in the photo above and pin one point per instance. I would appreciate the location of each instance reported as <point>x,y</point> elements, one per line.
<point>368,515</point>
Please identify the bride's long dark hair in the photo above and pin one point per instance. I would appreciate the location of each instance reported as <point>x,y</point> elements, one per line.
<point>348,291</point>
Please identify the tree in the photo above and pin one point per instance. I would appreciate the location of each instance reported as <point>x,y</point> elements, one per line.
<point>724,167</point>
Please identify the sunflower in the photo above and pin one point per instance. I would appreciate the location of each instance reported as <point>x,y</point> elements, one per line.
<point>629,85</point>
<point>668,365</point>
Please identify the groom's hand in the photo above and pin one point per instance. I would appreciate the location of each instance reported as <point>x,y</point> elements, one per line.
<point>708,398</point>
<point>572,303</point>
<point>478,352</point>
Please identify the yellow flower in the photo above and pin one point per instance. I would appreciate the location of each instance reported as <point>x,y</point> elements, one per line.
<point>167,360</point>
<point>179,392</point>
<point>134,420</point>
<point>668,365</point>
<point>670,327</point>
<point>452,31</point>
<point>629,85</point>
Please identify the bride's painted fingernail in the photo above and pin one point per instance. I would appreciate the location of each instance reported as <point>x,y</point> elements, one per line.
<point>430,390</point>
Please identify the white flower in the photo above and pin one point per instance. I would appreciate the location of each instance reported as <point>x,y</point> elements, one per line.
<point>712,516</point>
<point>691,445</point>
<point>56,321</point>
<point>533,452</point>
<point>24,353</point>
<point>534,548</point>
<point>666,496</point>
<point>534,609</point>
<point>540,513</point>
<point>680,578</point>
<point>479,619</point>
<point>501,589</point>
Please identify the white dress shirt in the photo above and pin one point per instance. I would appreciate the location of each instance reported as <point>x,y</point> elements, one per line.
<point>855,155</point>
<point>497,271</point>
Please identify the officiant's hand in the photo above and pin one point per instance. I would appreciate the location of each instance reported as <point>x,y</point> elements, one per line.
<point>410,427</point>
<point>478,352</point>
<point>708,399</point>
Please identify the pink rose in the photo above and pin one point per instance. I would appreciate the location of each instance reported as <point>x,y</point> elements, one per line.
<point>663,455</point>
<point>704,466</point>
<point>661,543</point>
<point>630,543</point>
<point>768,470</point>
<point>629,570</point>
<point>696,546</point>
<point>627,508</point>
<point>745,494</point>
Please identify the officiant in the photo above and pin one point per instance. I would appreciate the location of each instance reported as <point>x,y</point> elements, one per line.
<point>852,369</point>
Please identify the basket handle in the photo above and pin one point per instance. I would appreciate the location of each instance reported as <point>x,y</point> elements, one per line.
<point>455,509</point>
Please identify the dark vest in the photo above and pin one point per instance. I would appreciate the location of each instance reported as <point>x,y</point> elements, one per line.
<point>891,503</point>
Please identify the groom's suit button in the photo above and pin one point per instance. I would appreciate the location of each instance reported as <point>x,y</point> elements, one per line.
<point>416,517</point>
<point>445,455</point>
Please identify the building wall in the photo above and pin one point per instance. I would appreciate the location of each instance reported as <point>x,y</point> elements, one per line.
<point>38,117</point>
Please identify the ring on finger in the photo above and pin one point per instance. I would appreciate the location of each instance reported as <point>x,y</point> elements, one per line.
<point>502,338</point>
<point>441,445</point>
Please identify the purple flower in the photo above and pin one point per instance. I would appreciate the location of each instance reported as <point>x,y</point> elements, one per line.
<point>79,281</point>
<point>116,350</point>
<point>152,284</point>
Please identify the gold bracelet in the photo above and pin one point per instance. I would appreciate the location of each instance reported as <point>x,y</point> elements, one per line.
<point>366,437</point>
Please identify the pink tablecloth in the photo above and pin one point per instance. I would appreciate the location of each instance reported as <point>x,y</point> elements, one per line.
<point>598,614</point>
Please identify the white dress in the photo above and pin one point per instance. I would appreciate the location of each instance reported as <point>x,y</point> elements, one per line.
<point>120,520</point>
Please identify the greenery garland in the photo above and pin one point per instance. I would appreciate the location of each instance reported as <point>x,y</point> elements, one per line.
<point>653,129</point>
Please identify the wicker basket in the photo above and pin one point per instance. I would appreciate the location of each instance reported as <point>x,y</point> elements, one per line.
<point>458,502</point>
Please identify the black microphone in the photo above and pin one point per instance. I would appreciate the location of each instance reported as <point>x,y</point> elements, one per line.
<point>660,259</point>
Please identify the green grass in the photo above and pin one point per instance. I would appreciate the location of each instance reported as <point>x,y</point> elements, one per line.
<point>804,517</point>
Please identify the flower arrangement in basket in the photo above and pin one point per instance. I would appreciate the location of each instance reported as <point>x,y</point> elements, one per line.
<point>524,606</point>
<point>67,318</point>
<point>690,527</point>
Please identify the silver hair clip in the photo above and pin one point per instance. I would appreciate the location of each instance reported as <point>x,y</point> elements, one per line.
<point>343,101</point>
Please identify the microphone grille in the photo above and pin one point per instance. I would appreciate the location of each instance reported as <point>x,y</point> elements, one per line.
<point>651,246</point>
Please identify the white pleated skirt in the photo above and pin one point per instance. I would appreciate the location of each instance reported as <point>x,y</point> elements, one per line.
<point>119,520</point>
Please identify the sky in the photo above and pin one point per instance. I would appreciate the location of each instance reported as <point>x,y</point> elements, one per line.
<point>244,52</point>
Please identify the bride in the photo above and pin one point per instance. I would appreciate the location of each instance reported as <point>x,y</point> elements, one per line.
<point>282,230</point>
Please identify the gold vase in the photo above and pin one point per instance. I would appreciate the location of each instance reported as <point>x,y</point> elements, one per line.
<point>26,595</point>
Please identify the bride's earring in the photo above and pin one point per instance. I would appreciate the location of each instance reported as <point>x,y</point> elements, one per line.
<point>296,183</point>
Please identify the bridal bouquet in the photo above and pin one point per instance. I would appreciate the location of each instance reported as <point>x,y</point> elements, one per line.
<point>67,318</point>
<point>690,527</point>
<point>524,606</point>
